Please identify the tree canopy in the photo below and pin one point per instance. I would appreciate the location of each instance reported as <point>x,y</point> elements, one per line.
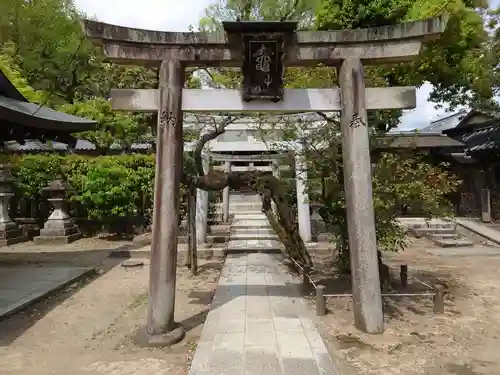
<point>461,64</point>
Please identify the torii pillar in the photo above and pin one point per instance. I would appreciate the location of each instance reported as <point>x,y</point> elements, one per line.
<point>161,330</point>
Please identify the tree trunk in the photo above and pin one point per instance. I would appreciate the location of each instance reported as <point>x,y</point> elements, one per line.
<point>284,222</point>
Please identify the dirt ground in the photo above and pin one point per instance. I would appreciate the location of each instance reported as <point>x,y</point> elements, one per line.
<point>463,341</point>
<point>88,328</point>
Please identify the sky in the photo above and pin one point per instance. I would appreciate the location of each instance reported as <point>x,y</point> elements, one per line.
<point>167,15</point>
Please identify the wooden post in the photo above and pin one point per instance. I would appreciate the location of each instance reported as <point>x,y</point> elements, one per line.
<point>438,300</point>
<point>192,243</point>
<point>161,328</point>
<point>485,205</point>
<point>403,275</point>
<point>368,315</point>
<point>305,280</point>
<point>320,301</point>
<point>225,195</point>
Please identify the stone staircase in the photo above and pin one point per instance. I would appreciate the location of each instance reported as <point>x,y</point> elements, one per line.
<point>442,233</point>
<point>250,230</point>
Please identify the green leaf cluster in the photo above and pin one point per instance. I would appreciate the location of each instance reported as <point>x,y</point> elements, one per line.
<point>115,128</point>
<point>401,181</point>
<point>106,189</point>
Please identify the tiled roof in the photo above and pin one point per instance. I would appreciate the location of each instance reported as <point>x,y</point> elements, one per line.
<point>445,123</point>
<point>423,140</point>
<point>21,119</point>
<point>81,145</point>
<point>479,140</point>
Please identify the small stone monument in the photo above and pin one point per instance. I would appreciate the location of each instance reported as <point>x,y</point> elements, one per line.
<point>59,227</point>
<point>10,233</point>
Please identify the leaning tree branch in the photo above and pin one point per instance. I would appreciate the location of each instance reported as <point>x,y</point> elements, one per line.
<point>212,83</point>
<point>268,187</point>
<point>205,138</point>
<point>328,119</point>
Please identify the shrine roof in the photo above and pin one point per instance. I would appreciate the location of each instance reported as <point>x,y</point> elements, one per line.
<point>418,140</point>
<point>480,140</point>
<point>390,141</point>
<point>17,111</point>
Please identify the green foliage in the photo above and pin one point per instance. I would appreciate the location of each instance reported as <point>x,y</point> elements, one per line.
<point>399,180</point>
<point>263,10</point>
<point>114,187</point>
<point>107,189</point>
<point>13,73</point>
<point>46,35</point>
<point>458,64</point>
<point>119,128</point>
<point>53,55</point>
<point>33,173</point>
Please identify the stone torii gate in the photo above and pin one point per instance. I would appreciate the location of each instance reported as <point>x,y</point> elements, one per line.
<point>262,49</point>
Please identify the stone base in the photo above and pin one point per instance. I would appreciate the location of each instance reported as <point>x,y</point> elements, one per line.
<point>144,339</point>
<point>12,234</point>
<point>67,230</point>
<point>216,253</point>
<point>146,239</point>
<point>56,240</point>
<point>13,241</point>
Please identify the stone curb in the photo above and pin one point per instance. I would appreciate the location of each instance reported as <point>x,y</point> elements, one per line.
<point>28,301</point>
<point>480,230</point>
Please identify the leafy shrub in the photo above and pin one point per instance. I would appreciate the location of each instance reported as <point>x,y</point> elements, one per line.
<point>111,190</point>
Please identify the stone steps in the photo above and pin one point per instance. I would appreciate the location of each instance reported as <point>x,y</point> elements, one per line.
<point>444,242</point>
<point>254,245</point>
<point>243,224</point>
<point>443,236</point>
<point>259,230</point>
<point>250,230</point>
<point>421,232</point>
<point>441,233</point>
<point>250,216</point>
<point>240,206</point>
<point>253,236</point>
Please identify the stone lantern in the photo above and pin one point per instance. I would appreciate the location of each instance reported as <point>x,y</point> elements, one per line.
<point>10,233</point>
<point>318,227</point>
<point>59,227</point>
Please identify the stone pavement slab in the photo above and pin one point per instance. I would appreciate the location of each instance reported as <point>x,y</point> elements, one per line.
<point>259,324</point>
<point>22,285</point>
<point>247,245</point>
<point>479,228</point>
<point>466,251</point>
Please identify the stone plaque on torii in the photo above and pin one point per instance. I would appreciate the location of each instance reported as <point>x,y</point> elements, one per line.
<point>262,49</point>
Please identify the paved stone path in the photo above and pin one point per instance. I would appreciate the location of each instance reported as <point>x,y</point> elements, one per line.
<point>259,324</point>
<point>22,285</point>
